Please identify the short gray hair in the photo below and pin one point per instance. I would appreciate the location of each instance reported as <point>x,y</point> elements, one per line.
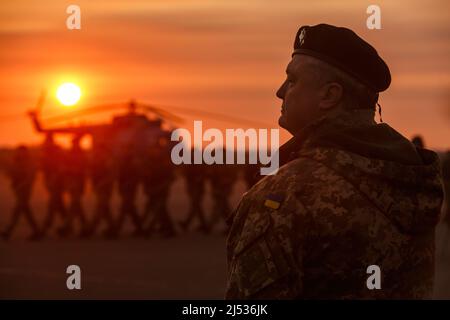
<point>356,94</point>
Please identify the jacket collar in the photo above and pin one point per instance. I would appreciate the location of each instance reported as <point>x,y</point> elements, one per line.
<point>329,122</point>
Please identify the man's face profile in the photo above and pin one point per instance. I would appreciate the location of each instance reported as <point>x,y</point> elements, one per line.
<point>300,95</point>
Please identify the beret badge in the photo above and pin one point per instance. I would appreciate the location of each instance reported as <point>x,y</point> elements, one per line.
<point>301,37</point>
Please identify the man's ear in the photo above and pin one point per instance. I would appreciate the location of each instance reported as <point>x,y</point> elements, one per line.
<point>331,95</point>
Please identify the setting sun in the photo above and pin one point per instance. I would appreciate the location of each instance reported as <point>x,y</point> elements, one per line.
<point>68,94</point>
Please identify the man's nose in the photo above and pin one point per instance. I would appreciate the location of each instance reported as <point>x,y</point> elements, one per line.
<point>281,91</point>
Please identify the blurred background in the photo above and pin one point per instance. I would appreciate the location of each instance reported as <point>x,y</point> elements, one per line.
<point>142,69</point>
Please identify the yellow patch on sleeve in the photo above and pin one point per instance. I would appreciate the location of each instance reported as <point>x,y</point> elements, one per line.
<point>272,204</point>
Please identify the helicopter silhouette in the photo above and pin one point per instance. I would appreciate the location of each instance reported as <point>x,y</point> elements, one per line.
<point>141,126</point>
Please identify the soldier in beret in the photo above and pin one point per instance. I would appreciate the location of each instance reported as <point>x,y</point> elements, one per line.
<point>350,192</point>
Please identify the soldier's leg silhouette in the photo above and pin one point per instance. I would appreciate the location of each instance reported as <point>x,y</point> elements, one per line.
<point>217,210</point>
<point>167,227</point>
<point>103,193</point>
<point>66,227</point>
<point>13,223</point>
<point>128,208</point>
<point>97,218</point>
<point>82,218</point>
<point>148,209</point>
<point>200,215</point>
<point>56,206</point>
<point>160,220</point>
<point>71,215</point>
<point>76,211</point>
<point>203,224</point>
<point>22,207</point>
<point>51,209</point>
<point>135,218</point>
<point>221,209</point>
<point>121,218</point>
<point>196,211</point>
<point>108,218</point>
<point>153,220</point>
<point>32,223</point>
<point>151,214</point>
<point>103,213</point>
<point>226,209</point>
<point>193,207</point>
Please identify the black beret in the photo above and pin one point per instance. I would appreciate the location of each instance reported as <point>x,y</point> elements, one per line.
<point>344,49</point>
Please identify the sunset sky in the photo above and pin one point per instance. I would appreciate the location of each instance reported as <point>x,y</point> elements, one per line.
<point>224,56</point>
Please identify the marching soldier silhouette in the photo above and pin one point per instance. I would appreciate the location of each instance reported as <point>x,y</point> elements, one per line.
<point>222,180</point>
<point>75,173</point>
<point>22,173</point>
<point>53,170</point>
<point>195,175</point>
<point>102,175</point>
<point>159,174</point>
<point>128,179</point>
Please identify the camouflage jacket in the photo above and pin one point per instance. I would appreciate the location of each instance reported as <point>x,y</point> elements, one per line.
<point>354,194</point>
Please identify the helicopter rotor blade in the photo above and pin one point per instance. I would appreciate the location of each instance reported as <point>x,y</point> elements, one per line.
<point>160,111</point>
<point>85,111</point>
<point>41,100</point>
<point>217,116</point>
<point>166,115</point>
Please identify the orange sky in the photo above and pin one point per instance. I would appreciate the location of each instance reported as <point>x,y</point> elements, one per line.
<point>225,56</point>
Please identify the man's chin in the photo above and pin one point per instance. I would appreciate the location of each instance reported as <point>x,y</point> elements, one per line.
<point>282,121</point>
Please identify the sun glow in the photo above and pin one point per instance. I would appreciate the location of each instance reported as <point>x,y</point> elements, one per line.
<point>68,93</point>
